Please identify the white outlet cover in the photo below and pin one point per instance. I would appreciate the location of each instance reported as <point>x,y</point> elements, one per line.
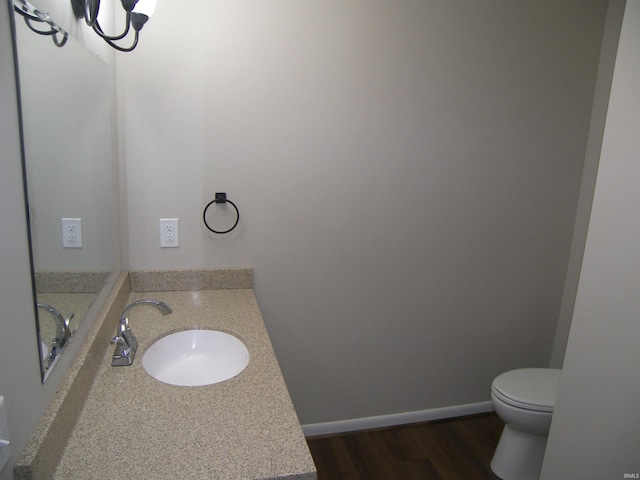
<point>72,232</point>
<point>169,232</point>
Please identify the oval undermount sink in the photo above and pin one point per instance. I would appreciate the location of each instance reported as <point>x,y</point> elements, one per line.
<point>195,357</point>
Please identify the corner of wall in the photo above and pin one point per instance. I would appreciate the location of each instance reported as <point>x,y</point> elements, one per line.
<point>610,39</point>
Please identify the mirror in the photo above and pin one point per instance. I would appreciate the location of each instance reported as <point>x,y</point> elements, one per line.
<point>66,122</point>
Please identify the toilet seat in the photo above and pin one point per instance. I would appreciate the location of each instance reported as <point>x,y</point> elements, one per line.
<point>528,388</point>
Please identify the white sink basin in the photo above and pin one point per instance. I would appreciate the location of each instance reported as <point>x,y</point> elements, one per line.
<point>195,357</point>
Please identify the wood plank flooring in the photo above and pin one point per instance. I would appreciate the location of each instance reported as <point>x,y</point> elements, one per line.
<point>454,449</point>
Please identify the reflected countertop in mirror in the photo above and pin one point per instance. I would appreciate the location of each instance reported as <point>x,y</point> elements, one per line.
<point>66,126</point>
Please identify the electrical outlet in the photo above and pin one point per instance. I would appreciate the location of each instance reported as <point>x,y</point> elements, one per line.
<point>169,234</point>
<point>72,232</point>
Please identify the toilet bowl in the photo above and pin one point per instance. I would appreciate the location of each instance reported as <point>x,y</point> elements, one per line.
<point>524,400</point>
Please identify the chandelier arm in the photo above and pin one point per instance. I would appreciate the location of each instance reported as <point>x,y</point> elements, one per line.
<point>26,14</point>
<point>30,14</point>
<point>91,8</point>
<point>28,21</point>
<point>98,29</point>
<point>122,49</point>
<point>60,43</point>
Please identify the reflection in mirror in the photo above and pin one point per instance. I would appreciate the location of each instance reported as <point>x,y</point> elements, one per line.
<point>39,22</point>
<point>66,119</point>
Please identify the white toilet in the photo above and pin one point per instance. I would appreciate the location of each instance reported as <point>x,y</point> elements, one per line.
<point>524,400</point>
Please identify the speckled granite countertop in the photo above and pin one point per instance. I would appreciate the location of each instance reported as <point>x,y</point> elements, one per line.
<point>134,426</point>
<point>109,422</point>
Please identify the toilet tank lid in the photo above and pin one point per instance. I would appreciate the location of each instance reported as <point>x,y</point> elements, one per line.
<point>529,386</point>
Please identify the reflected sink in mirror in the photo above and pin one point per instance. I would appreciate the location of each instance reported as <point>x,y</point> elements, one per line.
<point>193,358</point>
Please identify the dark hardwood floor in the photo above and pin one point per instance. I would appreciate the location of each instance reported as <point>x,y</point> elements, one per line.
<point>454,449</point>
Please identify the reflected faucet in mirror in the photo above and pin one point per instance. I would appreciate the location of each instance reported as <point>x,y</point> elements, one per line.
<point>62,336</point>
<point>125,340</point>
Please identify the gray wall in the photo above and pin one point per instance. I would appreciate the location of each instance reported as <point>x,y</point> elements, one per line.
<point>407,174</point>
<point>589,174</point>
<point>594,434</point>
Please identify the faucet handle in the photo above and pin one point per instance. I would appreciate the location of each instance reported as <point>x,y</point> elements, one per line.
<point>123,348</point>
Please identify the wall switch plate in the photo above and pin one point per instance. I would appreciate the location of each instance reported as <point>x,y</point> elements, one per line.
<point>169,233</point>
<point>5,445</point>
<point>72,232</point>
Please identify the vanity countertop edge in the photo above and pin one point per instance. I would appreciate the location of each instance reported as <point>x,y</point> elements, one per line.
<point>243,428</point>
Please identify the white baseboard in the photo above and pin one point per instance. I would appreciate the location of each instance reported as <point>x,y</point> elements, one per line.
<point>395,419</point>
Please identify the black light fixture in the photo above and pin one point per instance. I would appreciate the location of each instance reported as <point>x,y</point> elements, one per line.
<point>137,14</point>
<point>45,26</point>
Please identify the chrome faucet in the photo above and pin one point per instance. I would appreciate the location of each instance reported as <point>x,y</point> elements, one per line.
<point>125,342</point>
<point>63,332</point>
